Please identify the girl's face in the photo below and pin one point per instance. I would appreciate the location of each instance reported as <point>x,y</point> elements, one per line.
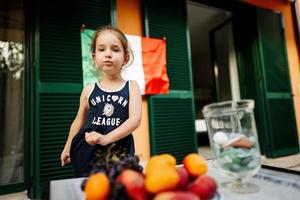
<point>109,54</point>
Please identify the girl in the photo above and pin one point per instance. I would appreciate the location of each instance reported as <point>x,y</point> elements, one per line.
<point>109,110</point>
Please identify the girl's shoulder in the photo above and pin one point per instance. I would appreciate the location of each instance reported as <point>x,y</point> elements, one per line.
<point>87,90</point>
<point>133,86</point>
<point>132,83</point>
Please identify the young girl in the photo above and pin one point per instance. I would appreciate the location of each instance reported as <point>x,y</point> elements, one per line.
<point>109,110</point>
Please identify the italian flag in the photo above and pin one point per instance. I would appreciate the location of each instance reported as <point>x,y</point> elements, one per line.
<point>149,66</point>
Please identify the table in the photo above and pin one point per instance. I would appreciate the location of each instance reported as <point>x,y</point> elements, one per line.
<point>274,184</point>
<point>66,189</point>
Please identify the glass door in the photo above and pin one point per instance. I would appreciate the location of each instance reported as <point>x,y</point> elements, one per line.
<point>11,93</point>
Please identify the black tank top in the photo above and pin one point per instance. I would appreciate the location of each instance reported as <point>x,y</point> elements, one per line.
<point>107,111</point>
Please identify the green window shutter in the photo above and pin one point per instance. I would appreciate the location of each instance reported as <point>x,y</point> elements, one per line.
<point>172,125</point>
<point>60,45</point>
<point>247,53</point>
<point>264,77</point>
<point>276,80</point>
<point>59,79</point>
<point>56,114</point>
<point>172,116</point>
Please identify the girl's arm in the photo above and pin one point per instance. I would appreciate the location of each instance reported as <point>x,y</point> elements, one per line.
<point>77,124</point>
<point>133,121</point>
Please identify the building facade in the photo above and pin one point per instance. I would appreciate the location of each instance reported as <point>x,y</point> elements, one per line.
<point>41,75</point>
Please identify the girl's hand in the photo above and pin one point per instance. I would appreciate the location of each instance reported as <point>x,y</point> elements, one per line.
<point>96,138</point>
<point>92,138</point>
<point>65,157</point>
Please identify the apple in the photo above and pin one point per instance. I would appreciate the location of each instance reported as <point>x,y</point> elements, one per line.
<point>134,183</point>
<point>176,196</point>
<point>204,186</point>
<point>183,178</point>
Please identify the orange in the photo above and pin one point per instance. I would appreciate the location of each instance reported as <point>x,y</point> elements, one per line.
<point>162,179</point>
<point>153,163</point>
<point>97,187</point>
<point>160,161</point>
<point>169,158</point>
<point>195,164</point>
<point>161,174</point>
<point>156,162</point>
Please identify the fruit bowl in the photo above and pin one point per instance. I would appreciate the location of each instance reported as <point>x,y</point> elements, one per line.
<point>121,176</point>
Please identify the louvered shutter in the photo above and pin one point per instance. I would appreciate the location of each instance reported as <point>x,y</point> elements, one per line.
<point>59,79</point>
<point>276,82</point>
<point>245,35</point>
<point>172,116</point>
<point>264,75</point>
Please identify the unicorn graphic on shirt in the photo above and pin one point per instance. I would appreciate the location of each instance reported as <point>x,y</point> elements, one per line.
<point>108,109</point>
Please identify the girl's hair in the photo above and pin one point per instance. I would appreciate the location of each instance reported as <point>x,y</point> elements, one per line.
<point>119,34</point>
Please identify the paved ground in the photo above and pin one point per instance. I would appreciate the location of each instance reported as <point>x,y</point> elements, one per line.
<point>15,196</point>
<point>288,162</point>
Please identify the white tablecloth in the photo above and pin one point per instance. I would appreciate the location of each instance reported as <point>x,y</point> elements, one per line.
<point>274,185</point>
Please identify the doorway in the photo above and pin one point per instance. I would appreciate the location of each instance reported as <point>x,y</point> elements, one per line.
<point>214,65</point>
<point>250,38</point>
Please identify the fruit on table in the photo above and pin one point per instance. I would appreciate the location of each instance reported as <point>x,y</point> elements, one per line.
<point>183,178</point>
<point>160,161</point>
<point>162,179</point>
<point>97,187</point>
<point>195,164</point>
<point>134,183</point>
<point>161,174</point>
<point>176,196</point>
<point>204,186</point>
<point>168,158</point>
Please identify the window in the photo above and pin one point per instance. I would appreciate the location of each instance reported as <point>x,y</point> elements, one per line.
<point>11,92</point>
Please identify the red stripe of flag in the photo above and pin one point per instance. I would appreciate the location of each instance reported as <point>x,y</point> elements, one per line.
<point>155,66</point>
